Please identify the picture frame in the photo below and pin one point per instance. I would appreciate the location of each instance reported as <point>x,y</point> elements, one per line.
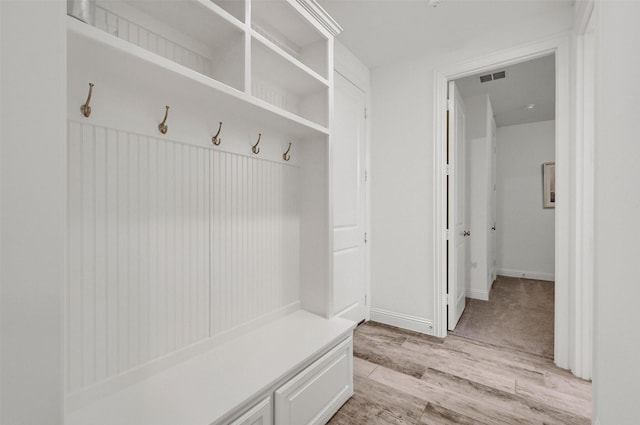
<point>549,185</point>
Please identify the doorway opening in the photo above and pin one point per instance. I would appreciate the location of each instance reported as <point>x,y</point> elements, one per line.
<point>559,47</point>
<point>506,256</point>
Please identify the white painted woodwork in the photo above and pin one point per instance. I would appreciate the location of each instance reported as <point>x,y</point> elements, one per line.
<point>352,68</point>
<point>152,25</point>
<point>178,249</point>
<point>285,25</point>
<point>585,79</point>
<point>473,62</point>
<point>404,321</point>
<point>284,84</point>
<point>458,272</point>
<point>316,394</point>
<point>123,193</point>
<point>260,414</point>
<point>170,244</point>
<point>222,384</point>
<point>492,258</point>
<point>481,155</point>
<point>349,202</point>
<point>206,42</point>
<point>316,259</point>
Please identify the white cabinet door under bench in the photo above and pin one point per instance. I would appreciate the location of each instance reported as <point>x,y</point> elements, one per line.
<point>260,414</point>
<point>316,393</point>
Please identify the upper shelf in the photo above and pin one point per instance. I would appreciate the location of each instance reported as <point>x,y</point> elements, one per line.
<point>273,54</point>
<point>196,33</point>
<point>234,7</point>
<point>89,45</point>
<point>282,23</point>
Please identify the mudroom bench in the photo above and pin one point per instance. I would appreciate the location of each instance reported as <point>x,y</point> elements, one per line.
<point>296,370</point>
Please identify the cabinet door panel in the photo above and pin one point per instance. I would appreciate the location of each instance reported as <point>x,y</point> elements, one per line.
<point>260,414</point>
<point>316,393</point>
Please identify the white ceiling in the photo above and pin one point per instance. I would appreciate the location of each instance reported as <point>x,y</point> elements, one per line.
<point>526,83</point>
<point>383,31</point>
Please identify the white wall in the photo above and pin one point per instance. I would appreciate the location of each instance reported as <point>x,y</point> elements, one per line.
<point>401,192</point>
<point>525,230</point>
<point>402,159</point>
<point>33,182</point>
<point>617,229</point>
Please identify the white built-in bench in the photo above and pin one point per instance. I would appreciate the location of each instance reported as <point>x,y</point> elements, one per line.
<point>296,370</point>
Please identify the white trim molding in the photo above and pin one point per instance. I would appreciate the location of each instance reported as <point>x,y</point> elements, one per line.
<point>321,16</point>
<point>527,274</point>
<point>478,294</point>
<point>585,64</point>
<point>583,10</point>
<point>404,321</point>
<point>560,46</point>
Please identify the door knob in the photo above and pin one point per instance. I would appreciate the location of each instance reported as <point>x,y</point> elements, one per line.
<point>494,227</point>
<point>466,233</point>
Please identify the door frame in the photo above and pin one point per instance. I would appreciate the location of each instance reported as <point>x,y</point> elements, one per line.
<point>564,215</point>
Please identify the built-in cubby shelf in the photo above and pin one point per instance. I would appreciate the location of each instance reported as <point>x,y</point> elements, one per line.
<point>178,245</point>
<point>212,44</point>
<point>107,53</point>
<point>287,85</point>
<point>281,23</point>
<point>285,71</point>
<point>234,7</point>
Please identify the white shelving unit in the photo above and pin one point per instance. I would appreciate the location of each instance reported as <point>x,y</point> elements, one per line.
<point>286,59</point>
<point>178,247</point>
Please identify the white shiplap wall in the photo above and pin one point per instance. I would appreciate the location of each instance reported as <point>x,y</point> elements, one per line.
<point>170,244</point>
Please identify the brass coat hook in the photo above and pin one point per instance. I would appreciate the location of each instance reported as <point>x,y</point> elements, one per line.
<point>215,139</point>
<point>163,127</point>
<point>286,155</point>
<point>86,109</point>
<point>255,149</point>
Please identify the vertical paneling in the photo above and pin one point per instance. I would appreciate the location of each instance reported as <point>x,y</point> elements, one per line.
<point>254,239</point>
<point>170,244</point>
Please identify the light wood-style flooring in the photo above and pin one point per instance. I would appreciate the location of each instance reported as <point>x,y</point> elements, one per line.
<point>402,377</point>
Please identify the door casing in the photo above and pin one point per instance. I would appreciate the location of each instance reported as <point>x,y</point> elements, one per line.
<point>564,221</point>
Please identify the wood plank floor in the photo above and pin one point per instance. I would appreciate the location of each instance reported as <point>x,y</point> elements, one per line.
<point>402,377</point>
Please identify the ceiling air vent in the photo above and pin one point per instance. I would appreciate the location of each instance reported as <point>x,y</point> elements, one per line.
<point>490,77</point>
<point>499,75</point>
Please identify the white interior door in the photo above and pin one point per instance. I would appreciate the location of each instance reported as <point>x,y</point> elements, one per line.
<point>348,152</point>
<point>458,231</point>
<point>492,208</point>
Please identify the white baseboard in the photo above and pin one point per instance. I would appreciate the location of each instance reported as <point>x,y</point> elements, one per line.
<point>478,294</point>
<point>527,274</point>
<point>404,321</point>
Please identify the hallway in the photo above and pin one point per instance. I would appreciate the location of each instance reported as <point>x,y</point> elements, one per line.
<point>519,315</point>
<point>407,378</point>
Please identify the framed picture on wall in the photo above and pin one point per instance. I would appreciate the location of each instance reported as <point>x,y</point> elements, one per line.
<point>549,185</point>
